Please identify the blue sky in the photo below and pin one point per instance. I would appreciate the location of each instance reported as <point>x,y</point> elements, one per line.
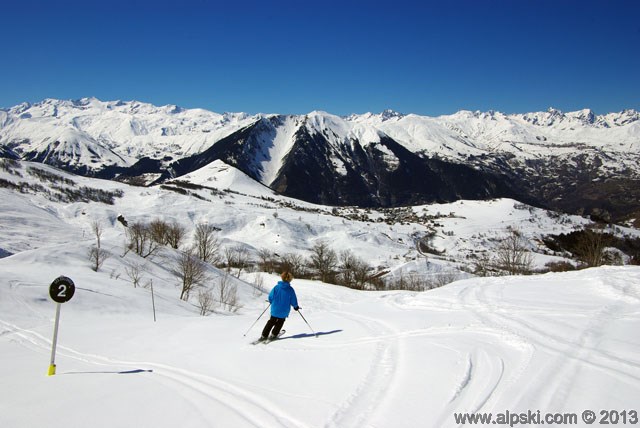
<point>343,57</point>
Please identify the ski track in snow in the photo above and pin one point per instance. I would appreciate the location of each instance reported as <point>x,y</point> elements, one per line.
<point>490,356</point>
<point>494,359</point>
<point>489,371</point>
<point>485,377</point>
<point>13,284</point>
<point>493,375</point>
<point>586,350</point>
<point>361,407</point>
<point>196,388</point>
<point>568,356</point>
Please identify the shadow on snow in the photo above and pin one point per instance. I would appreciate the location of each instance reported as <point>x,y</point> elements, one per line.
<point>303,335</point>
<point>136,371</point>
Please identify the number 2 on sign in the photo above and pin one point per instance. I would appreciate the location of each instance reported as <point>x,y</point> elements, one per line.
<point>63,290</point>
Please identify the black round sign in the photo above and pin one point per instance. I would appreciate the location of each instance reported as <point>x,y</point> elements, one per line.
<point>61,289</point>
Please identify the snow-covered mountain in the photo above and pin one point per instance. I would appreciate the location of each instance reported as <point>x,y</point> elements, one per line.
<point>577,161</point>
<point>94,134</point>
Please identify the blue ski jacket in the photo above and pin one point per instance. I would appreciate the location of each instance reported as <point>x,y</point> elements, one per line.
<point>282,297</point>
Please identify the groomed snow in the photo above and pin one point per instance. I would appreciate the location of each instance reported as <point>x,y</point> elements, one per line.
<point>555,343</point>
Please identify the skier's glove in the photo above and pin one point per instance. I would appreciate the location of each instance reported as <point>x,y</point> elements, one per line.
<point>296,308</point>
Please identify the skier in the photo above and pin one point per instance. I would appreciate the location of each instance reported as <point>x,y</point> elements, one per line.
<point>282,297</point>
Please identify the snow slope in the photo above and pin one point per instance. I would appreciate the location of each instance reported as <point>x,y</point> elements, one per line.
<point>251,215</point>
<point>221,176</point>
<point>554,343</point>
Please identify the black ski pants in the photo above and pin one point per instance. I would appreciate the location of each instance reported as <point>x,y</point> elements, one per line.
<point>274,325</point>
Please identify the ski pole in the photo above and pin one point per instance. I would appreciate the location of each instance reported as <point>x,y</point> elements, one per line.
<point>254,323</point>
<point>307,323</point>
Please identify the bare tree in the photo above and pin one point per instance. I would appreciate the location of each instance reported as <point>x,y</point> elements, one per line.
<point>97,256</point>
<point>98,230</point>
<point>191,272</point>
<point>361,273</point>
<point>141,240</point>
<point>207,243</point>
<point>227,294</point>
<point>266,261</point>
<point>294,263</point>
<point>416,282</point>
<point>236,257</point>
<point>482,265</point>
<point>137,236</point>
<point>159,231</point>
<point>413,281</point>
<point>347,263</point>
<point>591,246</point>
<point>443,278</point>
<point>258,285</point>
<point>513,256</point>
<point>134,272</point>
<point>175,234</point>
<point>410,281</point>
<point>205,301</point>
<point>241,259</point>
<point>324,260</point>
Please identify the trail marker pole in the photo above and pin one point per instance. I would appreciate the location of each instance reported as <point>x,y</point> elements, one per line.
<point>61,290</point>
<point>52,365</point>
<point>153,302</point>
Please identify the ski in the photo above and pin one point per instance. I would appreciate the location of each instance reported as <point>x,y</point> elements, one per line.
<point>272,339</point>
<point>265,341</point>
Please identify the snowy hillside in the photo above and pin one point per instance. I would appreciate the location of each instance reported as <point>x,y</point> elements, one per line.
<point>222,176</point>
<point>251,215</point>
<point>558,343</point>
<point>551,343</point>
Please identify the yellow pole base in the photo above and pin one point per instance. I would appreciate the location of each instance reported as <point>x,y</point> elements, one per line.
<point>52,370</point>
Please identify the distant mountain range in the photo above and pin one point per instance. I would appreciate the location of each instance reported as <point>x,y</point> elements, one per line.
<point>577,162</point>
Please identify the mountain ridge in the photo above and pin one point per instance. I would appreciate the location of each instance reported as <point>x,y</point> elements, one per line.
<point>552,159</point>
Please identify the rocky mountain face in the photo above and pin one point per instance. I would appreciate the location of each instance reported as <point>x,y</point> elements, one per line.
<point>577,162</point>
